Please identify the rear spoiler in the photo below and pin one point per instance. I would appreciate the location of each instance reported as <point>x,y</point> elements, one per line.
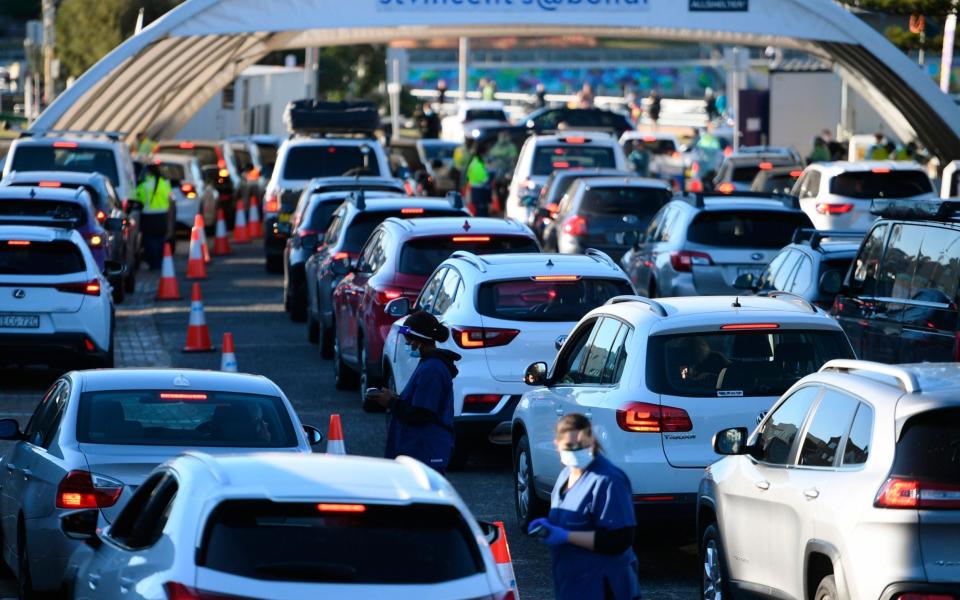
<point>697,199</point>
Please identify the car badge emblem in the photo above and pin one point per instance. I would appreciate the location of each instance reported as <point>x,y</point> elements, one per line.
<point>181,381</point>
<point>466,225</point>
<point>760,416</point>
<point>559,342</point>
<point>756,256</point>
<point>19,293</point>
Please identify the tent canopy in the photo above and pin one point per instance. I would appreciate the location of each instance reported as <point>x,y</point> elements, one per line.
<point>158,79</point>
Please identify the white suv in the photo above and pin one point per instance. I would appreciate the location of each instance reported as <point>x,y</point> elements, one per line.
<point>658,378</point>
<point>498,308</point>
<point>848,489</point>
<point>56,306</point>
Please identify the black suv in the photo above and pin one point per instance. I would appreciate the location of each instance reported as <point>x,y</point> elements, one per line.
<point>899,301</point>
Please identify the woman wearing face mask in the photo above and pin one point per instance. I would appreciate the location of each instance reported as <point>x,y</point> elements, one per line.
<point>591,524</point>
<point>421,417</point>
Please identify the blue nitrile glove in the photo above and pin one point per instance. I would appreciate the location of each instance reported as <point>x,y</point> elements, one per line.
<point>555,536</point>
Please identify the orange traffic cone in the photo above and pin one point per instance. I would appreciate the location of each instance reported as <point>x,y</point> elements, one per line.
<point>228,362</point>
<point>196,269</point>
<point>221,245</point>
<point>501,555</point>
<point>199,225</point>
<point>198,335</point>
<point>240,233</point>
<point>335,436</point>
<point>168,289</point>
<point>255,226</point>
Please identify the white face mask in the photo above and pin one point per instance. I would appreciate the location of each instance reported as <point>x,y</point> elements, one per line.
<point>576,458</point>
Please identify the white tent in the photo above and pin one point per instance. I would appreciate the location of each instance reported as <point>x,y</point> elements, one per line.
<point>156,80</point>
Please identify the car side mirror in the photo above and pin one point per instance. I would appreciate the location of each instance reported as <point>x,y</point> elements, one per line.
<point>745,281</point>
<point>309,242</point>
<point>313,434</point>
<point>491,531</point>
<point>113,224</point>
<point>398,307</point>
<point>341,267</point>
<point>114,268</point>
<point>830,283</point>
<point>10,430</point>
<point>536,374</point>
<point>81,525</point>
<point>559,342</point>
<point>731,442</point>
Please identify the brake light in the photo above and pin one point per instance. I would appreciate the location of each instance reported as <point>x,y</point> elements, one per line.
<point>480,403</point>
<point>575,225</point>
<point>49,184</point>
<point>675,155</point>
<point>695,186</point>
<point>912,493</point>
<point>332,150</point>
<point>385,295</point>
<point>186,188</point>
<point>183,396</point>
<point>341,255</point>
<point>880,170</point>
<point>187,145</point>
<point>342,508</point>
<point>684,261</point>
<point>796,174</point>
<point>223,173</point>
<point>556,278</point>
<point>101,216</point>
<point>765,166</point>
<point>649,139</point>
<point>95,240</point>
<point>178,591</point>
<point>90,288</point>
<point>411,211</point>
<point>575,140</point>
<point>470,338</point>
<point>749,326</point>
<point>471,238</point>
<point>728,151</point>
<point>18,243</point>
<point>271,203</point>
<point>553,208</point>
<point>83,489</point>
<point>833,209</point>
<point>643,417</point>
<point>725,188</point>
<point>65,145</point>
<point>88,344</point>
<point>562,164</point>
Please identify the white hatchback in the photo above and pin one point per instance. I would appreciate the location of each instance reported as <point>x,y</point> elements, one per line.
<point>658,378</point>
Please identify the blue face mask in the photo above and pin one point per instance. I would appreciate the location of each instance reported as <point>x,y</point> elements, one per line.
<point>413,353</point>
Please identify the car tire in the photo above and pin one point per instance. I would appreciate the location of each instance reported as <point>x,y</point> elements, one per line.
<point>326,341</point>
<point>118,292</point>
<point>652,289</point>
<point>130,281</point>
<point>827,589</point>
<point>298,307</point>
<point>24,580</point>
<point>528,505</point>
<point>366,380</point>
<point>313,329</point>
<point>713,572</point>
<point>344,378</point>
<point>274,264</point>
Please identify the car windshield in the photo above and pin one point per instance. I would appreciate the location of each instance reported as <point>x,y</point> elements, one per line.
<point>552,157</point>
<point>398,544</point>
<point>184,418</point>
<point>625,201</point>
<point>739,363</point>
<point>307,162</point>
<point>421,256</point>
<point>485,114</point>
<point>929,447</point>
<point>746,228</point>
<point>559,298</point>
<point>22,257</point>
<point>364,223</point>
<point>206,155</point>
<point>881,183</point>
<point>76,159</point>
<point>42,212</point>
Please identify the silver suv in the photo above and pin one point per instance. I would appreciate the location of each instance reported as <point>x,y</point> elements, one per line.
<point>847,489</point>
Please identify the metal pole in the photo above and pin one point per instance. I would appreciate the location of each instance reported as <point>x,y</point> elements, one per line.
<point>946,63</point>
<point>394,89</point>
<point>464,62</point>
<point>736,97</point>
<point>49,18</point>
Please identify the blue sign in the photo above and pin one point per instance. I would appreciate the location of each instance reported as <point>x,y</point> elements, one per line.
<point>516,5</point>
<point>719,5</point>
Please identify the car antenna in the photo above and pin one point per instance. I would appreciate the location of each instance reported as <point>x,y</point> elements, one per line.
<point>736,302</point>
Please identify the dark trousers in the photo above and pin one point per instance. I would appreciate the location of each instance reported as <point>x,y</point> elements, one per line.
<point>153,226</point>
<point>480,198</point>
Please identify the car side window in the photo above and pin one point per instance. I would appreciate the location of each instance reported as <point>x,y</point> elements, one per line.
<point>766,278</point>
<point>782,277</point>
<point>938,271</point>
<point>857,449</point>
<point>567,371</point>
<point>332,235</point>
<point>143,528</point>
<point>33,433</point>
<point>430,290</point>
<point>447,292</point>
<point>57,407</point>
<point>830,422</point>
<point>899,261</point>
<point>368,262</point>
<point>122,526</point>
<point>599,351</point>
<point>651,230</point>
<point>780,431</point>
<point>617,358</point>
<point>867,263</point>
<point>801,276</point>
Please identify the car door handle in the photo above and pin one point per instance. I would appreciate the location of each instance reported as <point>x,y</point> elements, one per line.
<point>94,580</point>
<point>763,485</point>
<point>27,473</point>
<point>812,493</point>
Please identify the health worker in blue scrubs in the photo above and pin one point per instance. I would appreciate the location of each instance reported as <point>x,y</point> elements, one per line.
<point>591,524</point>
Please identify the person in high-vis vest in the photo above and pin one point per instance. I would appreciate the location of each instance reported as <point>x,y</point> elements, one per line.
<point>153,193</point>
<point>479,179</point>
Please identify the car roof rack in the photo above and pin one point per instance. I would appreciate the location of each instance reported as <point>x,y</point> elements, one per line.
<point>115,136</point>
<point>814,237</point>
<point>697,199</point>
<point>907,380</point>
<point>924,210</point>
<point>471,258</point>
<point>600,256</point>
<point>654,306</point>
<point>790,297</point>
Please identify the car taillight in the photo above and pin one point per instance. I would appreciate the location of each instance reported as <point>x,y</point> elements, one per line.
<point>765,166</point>
<point>179,591</point>
<point>386,294</point>
<point>725,188</point>
<point>482,337</point>
<point>643,417</point>
<point>83,489</point>
<point>271,203</point>
<point>912,493</point>
<point>675,155</point>
<point>90,288</point>
<point>683,262</point>
<point>695,186</point>
<point>553,208</point>
<point>575,225</point>
<point>825,208</point>
<point>101,217</point>
<point>480,403</point>
<point>925,596</point>
<point>95,240</point>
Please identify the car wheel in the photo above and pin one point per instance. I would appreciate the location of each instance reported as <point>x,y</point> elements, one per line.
<point>313,329</point>
<point>366,381</point>
<point>274,264</point>
<point>326,341</point>
<point>344,378</point>
<point>827,590</point>
<point>652,289</point>
<point>118,292</point>
<point>529,505</point>
<point>24,580</point>
<point>298,306</point>
<point>714,571</point>
<point>130,281</point>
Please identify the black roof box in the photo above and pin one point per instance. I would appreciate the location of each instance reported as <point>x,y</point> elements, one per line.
<point>928,210</point>
<point>319,117</point>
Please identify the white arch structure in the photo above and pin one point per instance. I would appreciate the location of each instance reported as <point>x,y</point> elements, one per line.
<point>156,80</point>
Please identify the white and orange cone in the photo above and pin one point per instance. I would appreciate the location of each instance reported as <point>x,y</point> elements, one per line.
<point>196,268</point>
<point>200,226</point>
<point>228,361</point>
<point>168,289</point>
<point>255,226</point>
<point>221,245</point>
<point>240,233</point>
<point>198,335</point>
<point>335,436</point>
<point>501,554</point>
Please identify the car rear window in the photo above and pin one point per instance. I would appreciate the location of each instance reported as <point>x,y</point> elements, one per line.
<point>268,155</point>
<point>746,228</point>
<point>206,155</point>
<point>359,544</point>
<point>887,184</point>
<point>42,212</point>
<point>552,157</point>
<point>744,174</point>
<point>364,223</point>
<point>929,447</point>
<point>184,418</point>
<point>654,146</point>
<point>638,201</point>
<point>547,299</point>
<point>318,216</point>
<point>21,257</point>
<point>442,152</point>
<point>488,114</point>
<point>777,183</point>
<point>79,160</point>
<point>307,162</point>
<point>171,172</point>
<point>737,364</point>
<point>421,256</point>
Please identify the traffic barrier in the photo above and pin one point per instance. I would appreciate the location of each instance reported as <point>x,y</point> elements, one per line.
<point>228,362</point>
<point>335,436</point>
<point>241,235</point>
<point>255,226</point>
<point>200,226</point>
<point>221,245</point>
<point>167,289</point>
<point>196,268</point>
<point>501,555</point>
<point>198,335</point>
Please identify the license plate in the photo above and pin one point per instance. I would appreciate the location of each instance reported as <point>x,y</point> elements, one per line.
<point>283,218</point>
<point>20,321</point>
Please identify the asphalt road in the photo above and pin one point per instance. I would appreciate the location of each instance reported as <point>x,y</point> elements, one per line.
<point>240,297</point>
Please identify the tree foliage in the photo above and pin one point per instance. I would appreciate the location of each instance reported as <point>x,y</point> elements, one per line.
<point>932,10</point>
<point>348,72</point>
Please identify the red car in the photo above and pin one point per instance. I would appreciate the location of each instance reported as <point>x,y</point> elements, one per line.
<point>398,258</point>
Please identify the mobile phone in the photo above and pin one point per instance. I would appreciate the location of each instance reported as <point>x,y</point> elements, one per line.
<point>539,532</point>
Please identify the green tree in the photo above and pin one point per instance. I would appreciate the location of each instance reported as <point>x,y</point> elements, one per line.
<point>934,11</point>
<point>350,72</point>
<point>88,29</point>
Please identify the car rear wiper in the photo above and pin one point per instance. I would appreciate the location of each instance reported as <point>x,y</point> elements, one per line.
<point>308,571</point>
